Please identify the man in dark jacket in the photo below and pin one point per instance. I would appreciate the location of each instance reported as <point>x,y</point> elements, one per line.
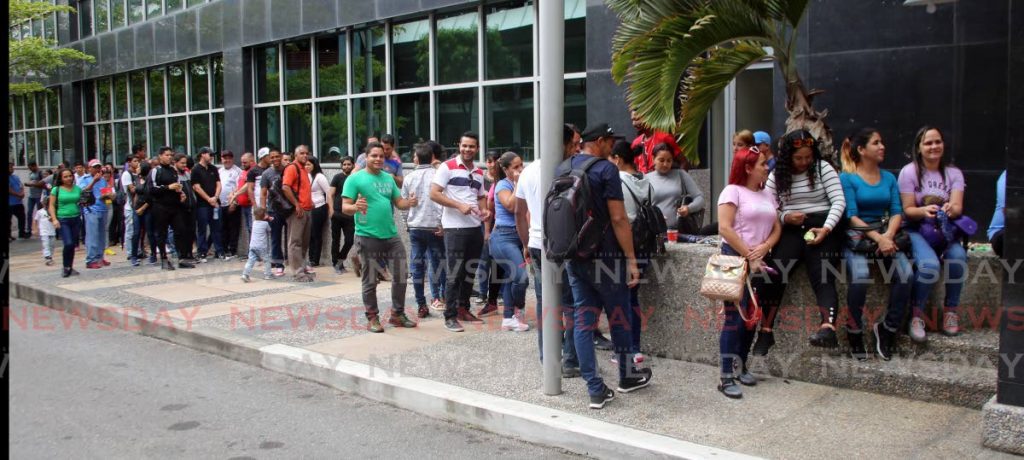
<point>166,194</point>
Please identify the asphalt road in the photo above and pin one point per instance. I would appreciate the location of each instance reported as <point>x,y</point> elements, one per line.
<point>91,393</point>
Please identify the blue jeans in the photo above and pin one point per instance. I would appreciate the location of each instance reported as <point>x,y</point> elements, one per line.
<point>257,254</point>
<point>899,274</point>
<point>204,221</point>
<point>247,218</point>
<point>69,231</point>
<point>30,212</point>
<point>276,230</point>
<point>929,271</point>
<point>735,340</point>
<point>427,248</point>
<point>507,252</point>
<point>95,236</point>
<point>569,359</point>
<point>598,289</point>
<point>132,232</point>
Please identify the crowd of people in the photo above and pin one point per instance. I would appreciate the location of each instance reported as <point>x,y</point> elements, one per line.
<point>476,232</point>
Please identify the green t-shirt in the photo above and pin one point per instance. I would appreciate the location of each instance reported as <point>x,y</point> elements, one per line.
<point>67,202</point>
<point>379,190</point>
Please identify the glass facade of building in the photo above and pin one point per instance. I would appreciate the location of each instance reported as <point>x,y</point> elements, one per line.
<point>34,129</point>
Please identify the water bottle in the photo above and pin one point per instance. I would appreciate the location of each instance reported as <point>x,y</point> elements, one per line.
<point>216,213</point>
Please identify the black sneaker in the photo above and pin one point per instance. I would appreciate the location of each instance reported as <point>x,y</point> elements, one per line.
<point>185,265</point>
<point>167,265</point>
<point>640,378</point>
<point>856,340</point>
<point>765,340</point>
<point>570,372</point>
<point>453,325</point>
<point>884,341</point>
<point>602,343</point>
<point>598,402</point>
<point>824,338</point>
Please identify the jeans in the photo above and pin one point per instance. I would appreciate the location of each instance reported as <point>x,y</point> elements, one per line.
<point>17,211</point>
<point>95,236</point>
<point>929,270</point>
<point>569,359</point>
<point>372,251</point>
<point>69,231</point>
<point>276,232</point>
<point>30,211</point>
<point>596,289</point>
<point>341,223</point>
<point>507,251</point>
<point>735,340</point>
<point>204,221</point>
<point>316,235</point>
<point>231,226</point>
<point>425,260</point>
<point>462,246</point>
<point>132,232</point>
<point>246,212</point>
<point>255,254</point>
<point>900,276</point>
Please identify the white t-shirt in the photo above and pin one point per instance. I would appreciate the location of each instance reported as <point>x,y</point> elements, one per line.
<point>228,182</point>
<point>42,218</point>
<point>463,185</point>
<point>528,188</point>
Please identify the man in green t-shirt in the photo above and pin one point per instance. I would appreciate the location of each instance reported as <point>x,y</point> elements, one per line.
<point>369,195</point>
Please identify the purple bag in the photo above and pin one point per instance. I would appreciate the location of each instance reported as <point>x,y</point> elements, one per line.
<point>966,225</point>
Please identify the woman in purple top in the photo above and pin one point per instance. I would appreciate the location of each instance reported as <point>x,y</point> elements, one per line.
<point>933,191</point>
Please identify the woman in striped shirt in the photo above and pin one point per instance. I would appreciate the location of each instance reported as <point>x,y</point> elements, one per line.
<point>811,205</point>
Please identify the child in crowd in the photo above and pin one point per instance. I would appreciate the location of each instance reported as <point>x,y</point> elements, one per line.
<point>46,233</point>
<point>259,247</point>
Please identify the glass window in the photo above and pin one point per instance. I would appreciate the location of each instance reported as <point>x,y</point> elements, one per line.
<point>368,115</point>
<point>173,5</point>
<point>457,112</point>
<point>10,115</point>
<point>218,133</point>
<point>330,64</point>
<point>121,145</point>
<point>103,99</point>
<point>18,149</point>
<point>575,94</point>
<point>267,89</point>
<point>200,132</point>
<point>30,148</point>
<point>106,147</point>
<point>268,126</point>
<point>509,43</point>
<point>53,108</point>
<point>138,86</point>
<point>84,18</point>
<point>333,118</point>
<point>40,109</point>
<point>88,101</point>
<point>218,82</point>
<point>157,136</point>
<point>30,112</point>
<point>16,112</point>
<point>368,60</point>
<point>298,70</point>
<point>298,120</point>
<point>100,19</point>
<point>175,88</point>
<point>178,128</point>
<point>156,92</point>
<point>37,28</point>
<point>192,3</point>
<point>56,154</point>
<point>135,11</point>
<point>117,14</point>
<point>139,132</point>
<point>410,54</point>
<point>153,9</point>
<point>411,122</point>
<point>199,82</point>
<point>509,114</point>
<point>51,27</point>
<point>575,36</point>
<point>456,57</point>
<point>121,97</point>
<point>90,142</point>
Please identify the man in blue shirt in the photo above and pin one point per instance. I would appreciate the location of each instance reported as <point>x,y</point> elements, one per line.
<point>15,206</point>
<point>95,215</point>
<point>602,283</point>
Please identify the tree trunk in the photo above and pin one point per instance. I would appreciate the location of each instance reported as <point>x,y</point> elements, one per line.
<point>802,115</point>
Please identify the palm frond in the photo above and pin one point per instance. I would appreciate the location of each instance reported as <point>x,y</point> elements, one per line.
<point>794,10</point>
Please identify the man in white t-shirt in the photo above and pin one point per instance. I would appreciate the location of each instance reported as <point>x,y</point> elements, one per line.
<point>529,203</point>
<point>230,214</point>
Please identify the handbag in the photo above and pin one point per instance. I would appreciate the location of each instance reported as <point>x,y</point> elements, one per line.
<point>858,241</point>
<point>724,278</point>
<point>86,199</point>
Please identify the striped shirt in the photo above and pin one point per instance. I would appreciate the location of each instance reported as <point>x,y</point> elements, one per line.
<point>826,196</point>
<point>463,185</point>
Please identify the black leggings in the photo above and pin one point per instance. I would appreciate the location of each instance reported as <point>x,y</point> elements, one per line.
<point>164,216</point>
<point>792,251</point>
<point>341,223</point>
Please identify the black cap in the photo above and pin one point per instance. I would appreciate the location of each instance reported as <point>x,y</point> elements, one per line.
<point>598,131</point>
<point>205,150</point>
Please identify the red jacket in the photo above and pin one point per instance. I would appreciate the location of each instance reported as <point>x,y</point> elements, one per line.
<point>645,163</point>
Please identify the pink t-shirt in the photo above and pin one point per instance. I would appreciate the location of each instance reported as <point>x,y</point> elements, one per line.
<point>932,183</point>
<point>756,212</point>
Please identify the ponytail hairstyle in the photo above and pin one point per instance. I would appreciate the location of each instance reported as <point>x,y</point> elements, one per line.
<point>505,161</point>
<point>857,140</point>
<point>918,158</point>
<point>624,152</point>
<point>784,165</point>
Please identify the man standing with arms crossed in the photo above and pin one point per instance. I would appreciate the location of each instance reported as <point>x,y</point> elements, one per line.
<point>230,218</point>
<point>206,183</point>
<point>298,190</point>
<point>458,185</point>
<point>369,195</point>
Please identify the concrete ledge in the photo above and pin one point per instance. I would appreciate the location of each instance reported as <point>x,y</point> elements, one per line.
<point>1003,427</point>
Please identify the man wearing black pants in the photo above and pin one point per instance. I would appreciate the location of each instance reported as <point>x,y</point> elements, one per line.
<point>341,223</point>
<point>277,224</point>
<point>167,194</point>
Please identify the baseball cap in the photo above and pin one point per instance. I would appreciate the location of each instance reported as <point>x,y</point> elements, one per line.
<point>227,154</point>
<point>263,151</point>
<point>762,137</point>
<point>334,150</point>
<point>94,162</point>
<point>598,131</point>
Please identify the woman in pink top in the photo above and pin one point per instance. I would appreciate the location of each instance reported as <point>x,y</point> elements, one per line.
<point>748,223</point>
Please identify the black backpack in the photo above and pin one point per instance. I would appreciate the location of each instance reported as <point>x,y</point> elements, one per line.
<point>571,231</point>
<point>648,227</point>
<point>283,208</point>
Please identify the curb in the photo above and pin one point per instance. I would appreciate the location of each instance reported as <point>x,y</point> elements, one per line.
<point>528,422</point>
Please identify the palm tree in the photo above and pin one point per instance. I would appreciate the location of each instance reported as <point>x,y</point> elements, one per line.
<point>678,55</point>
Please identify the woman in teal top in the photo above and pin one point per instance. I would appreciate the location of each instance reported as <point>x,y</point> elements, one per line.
<point>871,195</point>
<point>64,213</point>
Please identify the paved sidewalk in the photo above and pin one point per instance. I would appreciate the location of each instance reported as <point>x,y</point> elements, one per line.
<point>778,418</point>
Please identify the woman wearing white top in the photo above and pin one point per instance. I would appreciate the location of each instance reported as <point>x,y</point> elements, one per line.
<point>322,208</point>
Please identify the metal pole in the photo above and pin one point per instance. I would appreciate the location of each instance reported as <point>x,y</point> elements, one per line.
<point>551,103</point>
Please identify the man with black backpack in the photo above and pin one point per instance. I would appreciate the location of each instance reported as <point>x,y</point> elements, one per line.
<point>268,179</point>
<point>586,226</point>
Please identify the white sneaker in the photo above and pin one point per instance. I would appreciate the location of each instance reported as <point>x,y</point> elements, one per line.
<point>513,324</point>
<point>917,332</point>
<point>246,278</point>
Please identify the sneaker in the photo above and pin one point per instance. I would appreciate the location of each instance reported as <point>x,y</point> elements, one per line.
<point>167,265</point>
<point>437,305</point>
<point>729,388</point>
<point>513,324</point>
<point>246,278</point>
<point>856,341</point>
<point>105,262</point>
<point>93,265</point>
<point>135,262</point>
<point>373,325</point>
<point>490,309</point>
<point>601,342</point>
<point>339,269</point>
<point>917,333</point>
<point>638,358</point>
<point>423,312</point>
<point>227,257</point>
<point>66,272</point>
<point>765,340</point>
<point>465,315</point>
<point>633,383</point>
<point>201,259</point>
<point>186,265</point>
<point>151,261</point>
<point>598,401</point>
<point>268,277</point>
<point>748,379</point>
<point>278,272</point>
<point>884,341</point>
<point>452,324</point>
<point>824,338</point>
<point>400,320</point>
<point>570,372</point>
<point>49,261</point>
<point>951,324</point>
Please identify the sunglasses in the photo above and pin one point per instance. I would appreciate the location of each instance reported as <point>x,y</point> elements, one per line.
<point>802,142</point>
